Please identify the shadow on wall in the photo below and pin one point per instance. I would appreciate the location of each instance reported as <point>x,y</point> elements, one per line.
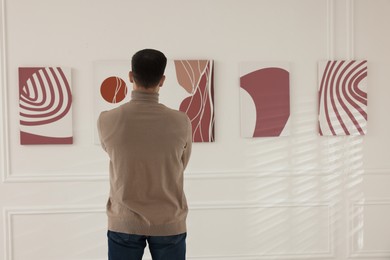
<point>297,209</point>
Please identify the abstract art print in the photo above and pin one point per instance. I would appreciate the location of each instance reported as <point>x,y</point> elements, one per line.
<point>188,87</point>
<point>342,97</point>
<point>45,105</point>
<point>264,99</point>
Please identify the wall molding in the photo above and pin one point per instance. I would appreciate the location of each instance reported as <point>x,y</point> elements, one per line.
<point>4,148</point>
<point>10,212</point>
<point>352,251</point>
<point>195,175</point>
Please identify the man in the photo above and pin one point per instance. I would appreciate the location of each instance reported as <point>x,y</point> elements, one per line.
<point>149,146</point>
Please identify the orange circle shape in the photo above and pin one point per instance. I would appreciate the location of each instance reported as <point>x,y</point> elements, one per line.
<point>113,89</point>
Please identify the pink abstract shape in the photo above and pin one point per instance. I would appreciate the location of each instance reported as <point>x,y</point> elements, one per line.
<point>44,98</point>
<point>196,77</point>
<point>342,101</point>
<point>189,72</point>
<point>270,92</point>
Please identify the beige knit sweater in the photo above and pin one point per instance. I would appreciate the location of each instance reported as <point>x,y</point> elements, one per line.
<point>149,146</point>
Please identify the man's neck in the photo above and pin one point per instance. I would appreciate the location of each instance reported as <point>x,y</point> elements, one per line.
<point>146,90</point>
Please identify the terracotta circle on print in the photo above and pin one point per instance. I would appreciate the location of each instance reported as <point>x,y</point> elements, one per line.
<point>113,89</point>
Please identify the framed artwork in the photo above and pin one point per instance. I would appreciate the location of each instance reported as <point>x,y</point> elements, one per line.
<point>342,97</point>
<point>45,105</point>
<point>264,99</point>
<point>188,87</point>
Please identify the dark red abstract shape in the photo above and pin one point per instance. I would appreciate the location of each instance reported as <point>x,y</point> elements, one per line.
<point>28,138</point>
<point>270,91</point>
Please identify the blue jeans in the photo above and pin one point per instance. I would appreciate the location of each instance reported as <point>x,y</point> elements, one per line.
<point>131,247</point>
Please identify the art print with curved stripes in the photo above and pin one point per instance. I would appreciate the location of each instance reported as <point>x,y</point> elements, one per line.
<point>342,97</point>
<point>45,104</point>
<point>264,99</point>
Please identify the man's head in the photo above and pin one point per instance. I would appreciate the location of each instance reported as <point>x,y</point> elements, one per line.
<point>147,68</point>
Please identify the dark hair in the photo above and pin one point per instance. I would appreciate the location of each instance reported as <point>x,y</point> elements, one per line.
<point>148,67</point>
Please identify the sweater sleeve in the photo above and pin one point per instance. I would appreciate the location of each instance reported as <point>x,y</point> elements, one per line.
<point>188,148</point>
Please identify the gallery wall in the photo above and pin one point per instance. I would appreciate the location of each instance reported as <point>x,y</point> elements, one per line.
<point>293,197</point>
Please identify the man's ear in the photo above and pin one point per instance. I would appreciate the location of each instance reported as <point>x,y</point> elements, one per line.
<point>131,77</point>
<point>161,81</point>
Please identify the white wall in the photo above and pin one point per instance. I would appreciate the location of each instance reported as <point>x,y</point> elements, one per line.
<point>295,197</point>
